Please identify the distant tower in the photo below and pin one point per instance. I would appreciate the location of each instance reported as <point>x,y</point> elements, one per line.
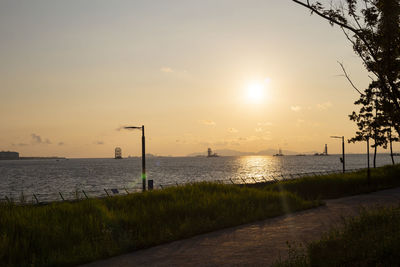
<point>326,149</point>
<point>118,153</point>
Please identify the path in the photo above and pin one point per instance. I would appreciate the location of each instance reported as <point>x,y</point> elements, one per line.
<point>255,244</point>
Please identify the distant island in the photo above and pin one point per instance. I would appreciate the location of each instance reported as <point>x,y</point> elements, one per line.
<point>12,155</point>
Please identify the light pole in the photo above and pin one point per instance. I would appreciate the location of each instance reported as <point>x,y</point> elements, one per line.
<point>342,158</point>
<point>368,171</point>
<point>143,155</point>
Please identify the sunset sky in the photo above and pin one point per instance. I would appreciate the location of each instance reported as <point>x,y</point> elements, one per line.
<point>246,75</point>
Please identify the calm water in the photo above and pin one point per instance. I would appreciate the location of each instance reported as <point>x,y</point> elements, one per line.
<point>46,178</point>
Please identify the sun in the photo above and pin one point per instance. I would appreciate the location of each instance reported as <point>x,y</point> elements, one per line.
<point>255,91</point>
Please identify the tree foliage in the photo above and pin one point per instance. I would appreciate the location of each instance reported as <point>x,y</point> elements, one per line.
<point>373,28</point>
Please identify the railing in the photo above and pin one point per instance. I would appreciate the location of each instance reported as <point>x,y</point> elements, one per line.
<point>43,198</point>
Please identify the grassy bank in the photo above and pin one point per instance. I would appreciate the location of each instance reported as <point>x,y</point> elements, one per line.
<point>340,185</point>
<point>372,239</point>
<point>69,233</point>
<point>65,234</point>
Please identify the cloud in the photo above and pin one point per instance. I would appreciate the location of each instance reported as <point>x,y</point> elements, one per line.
<point>20,144</point>
<point>208,122</point>
<point>295,108</point>
<point>264,123</point>
<point>37,139</point>
<point>60,143</point>
<point>166,70</point>
<point>232,130</point>
<point>99,143</point>
<point>258,129</point>
<point>324,106</point>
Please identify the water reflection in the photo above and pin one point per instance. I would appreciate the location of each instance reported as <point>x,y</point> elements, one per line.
<point>257,167</point>
<point>93,175</point>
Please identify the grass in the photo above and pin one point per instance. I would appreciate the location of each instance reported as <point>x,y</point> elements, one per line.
<point>66,234</point>
<point>340,185</point>
<point>70,233</point>
<point>372,239</point>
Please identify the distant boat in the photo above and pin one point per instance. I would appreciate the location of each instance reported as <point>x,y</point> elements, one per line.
<point>279,153</point>
<point>210,154</point>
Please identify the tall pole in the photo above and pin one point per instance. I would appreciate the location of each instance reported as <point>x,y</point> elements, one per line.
<point>343,154</point>
<point>143,161</point>
<point>368,171</point>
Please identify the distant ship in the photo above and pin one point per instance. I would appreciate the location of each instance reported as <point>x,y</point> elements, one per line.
<point>210,154</point>
<point>279,153</point>
<point>118,153</point>
<point>325,153</point>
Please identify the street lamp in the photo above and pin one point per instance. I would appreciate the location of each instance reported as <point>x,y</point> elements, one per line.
<point>342,158</point>
<point>143,154</point>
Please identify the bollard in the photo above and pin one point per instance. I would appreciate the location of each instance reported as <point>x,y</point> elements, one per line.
<point>150,184</point>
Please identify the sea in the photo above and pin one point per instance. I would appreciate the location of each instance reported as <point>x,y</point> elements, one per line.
<point>53,179</point>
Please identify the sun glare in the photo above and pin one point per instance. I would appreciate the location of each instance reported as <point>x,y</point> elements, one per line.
<point>255,91</point>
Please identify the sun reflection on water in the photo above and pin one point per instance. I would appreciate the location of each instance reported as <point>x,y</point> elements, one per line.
<point>256,167</point>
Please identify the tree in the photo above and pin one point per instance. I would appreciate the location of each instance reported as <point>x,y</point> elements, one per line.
<point>373,28</point>
<point>372,122</point>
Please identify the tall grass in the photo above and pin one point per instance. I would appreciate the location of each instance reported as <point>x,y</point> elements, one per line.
<point>66,234</point>
<point>372,239</point>
<point>69,233</point>
<point>339,185</point>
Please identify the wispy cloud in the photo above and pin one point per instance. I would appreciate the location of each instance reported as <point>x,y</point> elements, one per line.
<point>295,108</point>
<point>208,122</point>
<point>232,130</point>
<point>324,106</point>
<point>166,70</point>
<point>19,144</point>
<point>37,139</point>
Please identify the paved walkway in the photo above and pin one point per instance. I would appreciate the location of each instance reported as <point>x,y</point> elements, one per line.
<point>254,244</point>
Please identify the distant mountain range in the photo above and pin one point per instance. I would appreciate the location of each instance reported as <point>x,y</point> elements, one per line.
<point>230,152</point>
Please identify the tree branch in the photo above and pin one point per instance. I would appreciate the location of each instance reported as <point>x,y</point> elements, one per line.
<point>348,78</point>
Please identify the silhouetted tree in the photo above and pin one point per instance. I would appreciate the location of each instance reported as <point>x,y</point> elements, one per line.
<point>372,122</point>
<point>373,28</point>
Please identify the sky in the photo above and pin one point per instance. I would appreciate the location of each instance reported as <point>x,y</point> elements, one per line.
<point>246,75</point>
